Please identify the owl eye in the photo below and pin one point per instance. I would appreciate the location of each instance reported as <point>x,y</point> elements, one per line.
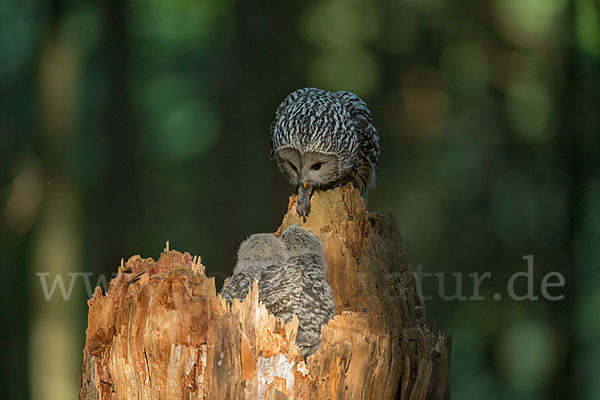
<point>316,166</point>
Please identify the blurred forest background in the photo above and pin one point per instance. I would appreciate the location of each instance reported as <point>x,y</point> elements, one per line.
<point>126,123</point>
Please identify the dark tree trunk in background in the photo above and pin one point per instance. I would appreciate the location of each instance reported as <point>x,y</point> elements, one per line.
<point>579,140</point>
<point>119,206</point>
<point>248,94</point>
<point>58,243</point>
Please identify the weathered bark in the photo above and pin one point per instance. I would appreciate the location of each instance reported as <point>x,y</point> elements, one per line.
<point>162,332</point>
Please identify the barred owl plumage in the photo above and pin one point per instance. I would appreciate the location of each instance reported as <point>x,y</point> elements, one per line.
<point>292,280</point>
<point>322,139</point>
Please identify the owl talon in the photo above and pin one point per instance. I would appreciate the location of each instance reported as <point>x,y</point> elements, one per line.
<point>302,215</point>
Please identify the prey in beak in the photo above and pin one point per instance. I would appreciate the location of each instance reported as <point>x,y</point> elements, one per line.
<point>303,204</point>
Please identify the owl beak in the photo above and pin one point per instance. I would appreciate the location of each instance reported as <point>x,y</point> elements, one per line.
<point>304,185</point>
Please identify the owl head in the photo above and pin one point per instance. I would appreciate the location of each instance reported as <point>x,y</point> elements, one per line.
<point>314,140</point>
<point>260,248</point>
<point>300,241</point>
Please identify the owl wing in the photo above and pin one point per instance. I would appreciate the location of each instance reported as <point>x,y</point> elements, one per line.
<point>368,153</point>
<point>318,308</point>
<point>237,286</point>
<point>368,141</point>
<point>280,290</point>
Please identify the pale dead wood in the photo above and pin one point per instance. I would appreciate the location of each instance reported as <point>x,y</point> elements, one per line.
<point>161,332</point>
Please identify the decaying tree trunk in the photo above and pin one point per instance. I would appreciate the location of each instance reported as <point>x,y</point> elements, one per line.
<point>162,332</point>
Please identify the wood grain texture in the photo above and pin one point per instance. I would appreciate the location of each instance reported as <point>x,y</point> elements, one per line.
<point>162,332</point>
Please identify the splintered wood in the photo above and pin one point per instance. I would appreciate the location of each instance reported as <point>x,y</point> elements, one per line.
<point>162,332</point>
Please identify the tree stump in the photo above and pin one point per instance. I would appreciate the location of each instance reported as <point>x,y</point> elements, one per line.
<point>162,332</point>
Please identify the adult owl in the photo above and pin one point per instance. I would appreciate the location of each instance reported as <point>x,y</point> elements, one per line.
<point>292,280</point>
<point>322,139</point>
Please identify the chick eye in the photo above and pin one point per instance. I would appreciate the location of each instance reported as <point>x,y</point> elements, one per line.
<point>316,167</point>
